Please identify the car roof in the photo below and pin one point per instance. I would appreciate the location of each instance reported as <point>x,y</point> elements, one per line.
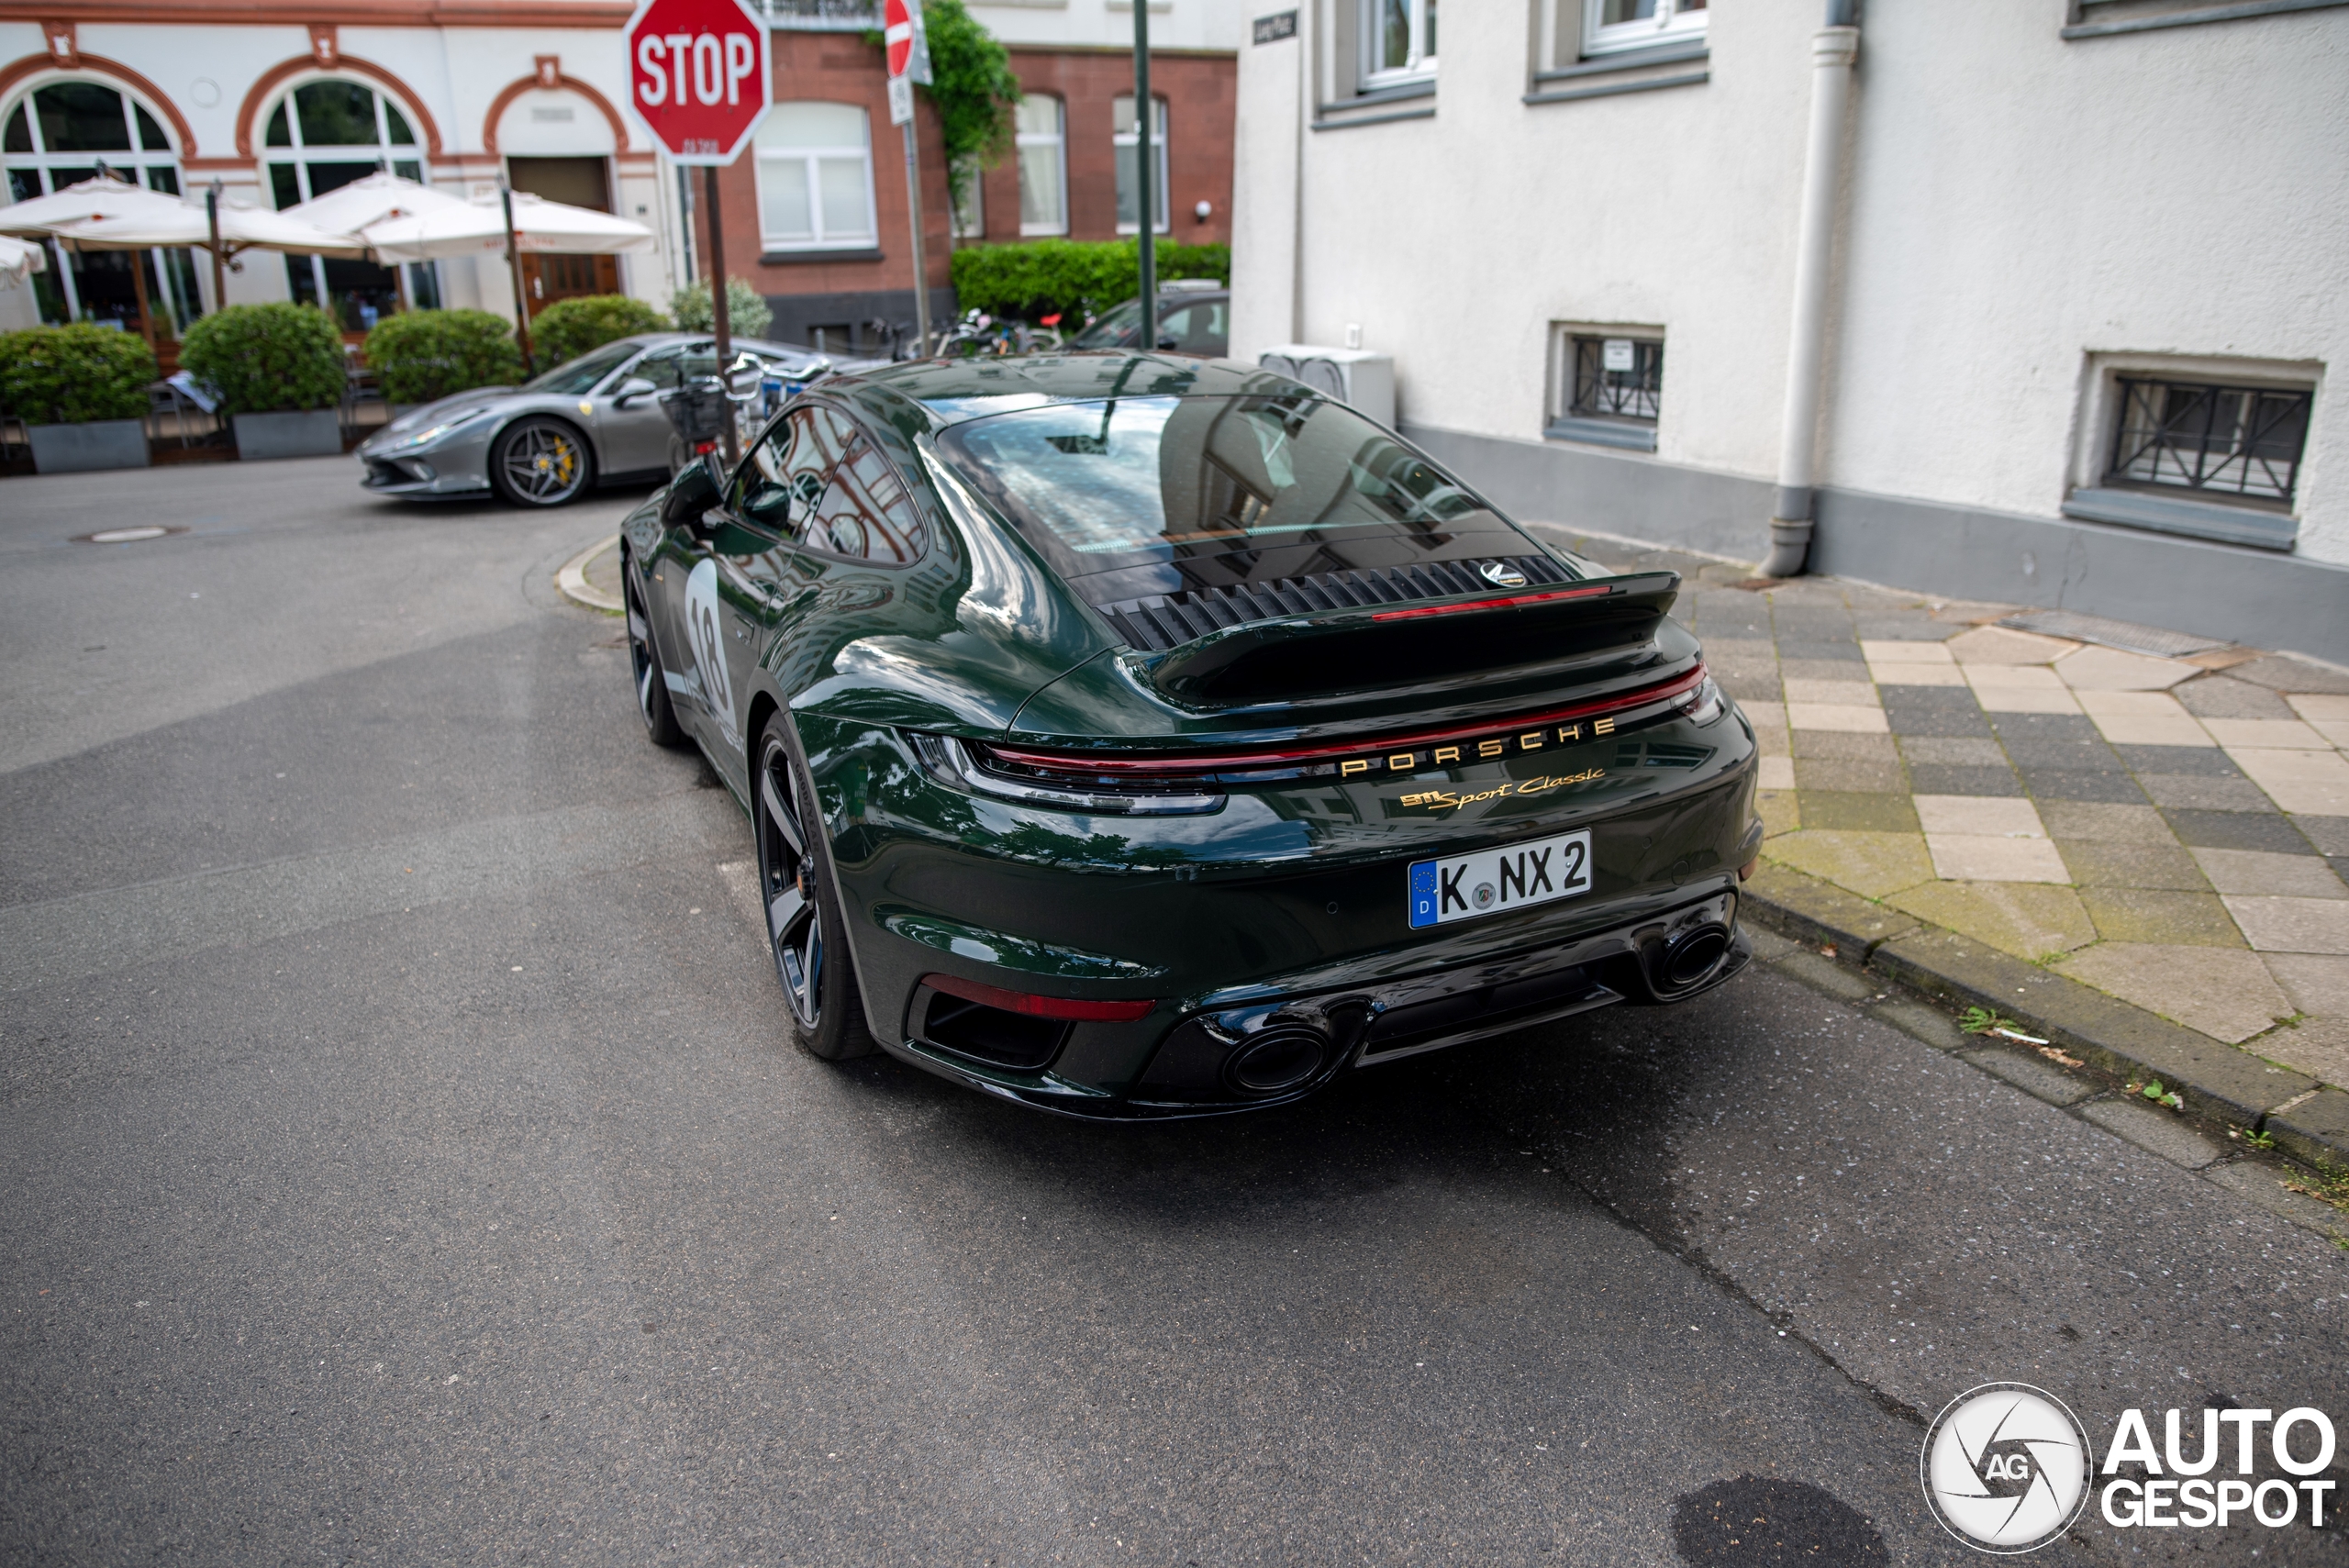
<point>948,392</point>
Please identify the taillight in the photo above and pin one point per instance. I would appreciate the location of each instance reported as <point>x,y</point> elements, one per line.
<point>1703,705</point>
<point>1063,785</point>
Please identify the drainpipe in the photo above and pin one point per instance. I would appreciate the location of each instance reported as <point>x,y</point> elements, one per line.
<point>1833,49</point>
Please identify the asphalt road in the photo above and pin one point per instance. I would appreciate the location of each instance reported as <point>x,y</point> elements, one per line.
<point>400,1161</point>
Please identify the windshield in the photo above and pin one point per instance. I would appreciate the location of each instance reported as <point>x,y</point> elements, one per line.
<point>1167,492</point>
<point>581,374</point>
<point>1119,326</point>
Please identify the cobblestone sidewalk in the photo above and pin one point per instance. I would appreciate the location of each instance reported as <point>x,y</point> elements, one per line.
<point>2171,831</point>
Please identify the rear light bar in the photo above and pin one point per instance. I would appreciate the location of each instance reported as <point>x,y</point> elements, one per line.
<point>1070,1009</point>
<point>1451,747</point>
<point>1510,603</point>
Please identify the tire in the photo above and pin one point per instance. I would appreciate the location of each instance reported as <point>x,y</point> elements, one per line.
<point>805,935</point>
<point>645,668</point>
<point>540,462</point>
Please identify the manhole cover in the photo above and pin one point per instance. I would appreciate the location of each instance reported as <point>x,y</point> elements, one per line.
<point>126,536</point>
<point>2120,634</point>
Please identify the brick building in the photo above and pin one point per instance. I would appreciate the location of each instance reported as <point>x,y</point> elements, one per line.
<point>815,214</point>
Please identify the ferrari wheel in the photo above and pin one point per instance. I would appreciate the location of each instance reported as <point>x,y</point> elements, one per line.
<point>540,462</point>
<point>803,927</point>
<point>644,668</point>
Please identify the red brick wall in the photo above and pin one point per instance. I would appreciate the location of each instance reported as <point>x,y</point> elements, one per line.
<point>1199,91</point>
<point>841,68</point>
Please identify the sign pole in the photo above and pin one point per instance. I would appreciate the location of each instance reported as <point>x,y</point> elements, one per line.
<point>913,212</point>
<point>1145,165</point>
<point>719,318</point>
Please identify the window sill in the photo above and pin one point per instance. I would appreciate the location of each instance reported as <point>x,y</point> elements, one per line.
<point>1403,101</point>
<point>799,258</point>
<point>2188,17</point>
<point>2177,515</point>
<point>1603,433</point>
<point>1682,63</point>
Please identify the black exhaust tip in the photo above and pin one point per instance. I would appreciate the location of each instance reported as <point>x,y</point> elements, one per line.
<point>1692,958</point>
<point>1277,1057</point>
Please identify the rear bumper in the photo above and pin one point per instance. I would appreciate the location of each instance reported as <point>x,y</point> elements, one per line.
<point>1199,1067</point>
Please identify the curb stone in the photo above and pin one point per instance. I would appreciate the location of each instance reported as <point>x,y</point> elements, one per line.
<point>2219,1082</point>
<point>571,580</point>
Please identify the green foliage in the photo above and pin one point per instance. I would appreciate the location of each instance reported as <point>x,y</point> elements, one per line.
<point>421,355</point>
<point>268,358</point>
<point>973,89</point>
<point>69,375</point>
<point>570,328</point>
<point>1077,278</point>
<point>747,316</point>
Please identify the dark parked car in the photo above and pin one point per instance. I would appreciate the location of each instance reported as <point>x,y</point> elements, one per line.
<point>1194,317</point>
<point>1132,736</point>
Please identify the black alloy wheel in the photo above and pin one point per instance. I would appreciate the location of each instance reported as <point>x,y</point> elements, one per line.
<point>644,667</point>
<point>803,916</point>
<point>540,462</point>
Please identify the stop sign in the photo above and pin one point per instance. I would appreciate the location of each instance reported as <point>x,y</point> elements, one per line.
<point>698,75</point>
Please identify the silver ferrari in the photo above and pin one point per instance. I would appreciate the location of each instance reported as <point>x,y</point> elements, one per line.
<point>596,419</point>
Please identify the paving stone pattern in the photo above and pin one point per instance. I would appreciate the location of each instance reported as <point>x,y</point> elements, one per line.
<point>2171,833</point>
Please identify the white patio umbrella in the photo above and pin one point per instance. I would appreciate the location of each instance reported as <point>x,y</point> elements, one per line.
<point>19,260</point>
<point>377,198</point>
<point>479,228</point>
<point>139,219</point>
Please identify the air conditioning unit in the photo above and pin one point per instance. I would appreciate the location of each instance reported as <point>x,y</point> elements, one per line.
<point>1363,381</point>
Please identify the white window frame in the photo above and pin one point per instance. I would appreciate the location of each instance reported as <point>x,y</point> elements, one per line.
<point>1058,142</point>
<point>1124,141</point>
<point>384,154</point>
<point>809,157</point>
<point>1674,20</point>
<point>1419,63</point>
<point>43,165</point>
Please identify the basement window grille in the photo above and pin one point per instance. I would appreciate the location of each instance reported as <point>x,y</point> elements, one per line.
<point>1617,378</point>
<point>2239,442</point>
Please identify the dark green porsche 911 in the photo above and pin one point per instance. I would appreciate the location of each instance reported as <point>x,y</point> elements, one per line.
<point>1139,736</point>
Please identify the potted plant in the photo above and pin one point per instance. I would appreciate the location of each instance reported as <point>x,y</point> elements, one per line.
<point>82,393</point>
<point>423,356</point>
<point>279,370</point>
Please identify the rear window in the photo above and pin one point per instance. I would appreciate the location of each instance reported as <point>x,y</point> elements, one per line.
<point>1137,480</point>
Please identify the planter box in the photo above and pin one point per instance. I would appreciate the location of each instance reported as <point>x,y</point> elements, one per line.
<point>314,432</point>
<point>79,449</point>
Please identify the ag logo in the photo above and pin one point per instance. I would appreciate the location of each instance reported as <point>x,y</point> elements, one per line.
<point>1502,574</point>
<point>2005,1468</point>
<point>702,630</point>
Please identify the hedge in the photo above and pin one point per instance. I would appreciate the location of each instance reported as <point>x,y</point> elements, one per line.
<point>421,355</point>
<point>570,328</point>
<point>268,358</point>
<point>1076,278</point>
<point>747,316</point>
<point>69,375</point>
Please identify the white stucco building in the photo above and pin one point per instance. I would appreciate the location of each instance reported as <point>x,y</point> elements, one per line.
<point>279,104</point>
<point>2084,275</point>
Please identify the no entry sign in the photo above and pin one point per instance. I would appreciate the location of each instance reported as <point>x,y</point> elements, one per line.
<point>698,72</point>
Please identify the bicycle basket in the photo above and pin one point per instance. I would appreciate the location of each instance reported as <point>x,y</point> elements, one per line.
<point>698,410</point>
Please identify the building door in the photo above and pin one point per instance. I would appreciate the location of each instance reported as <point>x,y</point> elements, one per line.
<point>574,181</point>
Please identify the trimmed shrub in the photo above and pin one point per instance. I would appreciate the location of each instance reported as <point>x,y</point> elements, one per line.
<point>268,358</point>
<point>421,355</point>
<point>71,375</point>
<point>747,316</point>
<point>570,328</point>
<point>1077,278</point>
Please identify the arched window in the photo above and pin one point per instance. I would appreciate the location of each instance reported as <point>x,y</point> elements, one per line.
<point>64,132</point>
<point>815,179</point>
<point>321,137</point>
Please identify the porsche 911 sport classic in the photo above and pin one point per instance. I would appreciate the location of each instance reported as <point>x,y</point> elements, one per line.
<point>1132,736</point>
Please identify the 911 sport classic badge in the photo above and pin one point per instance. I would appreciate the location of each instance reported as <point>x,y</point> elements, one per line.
<point>1465,886</point>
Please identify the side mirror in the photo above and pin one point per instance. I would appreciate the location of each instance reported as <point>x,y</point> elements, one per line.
<point>631,389</point>
<point>692,493</point>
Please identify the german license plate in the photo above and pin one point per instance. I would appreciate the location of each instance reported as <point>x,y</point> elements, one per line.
<point>1462,887</point>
